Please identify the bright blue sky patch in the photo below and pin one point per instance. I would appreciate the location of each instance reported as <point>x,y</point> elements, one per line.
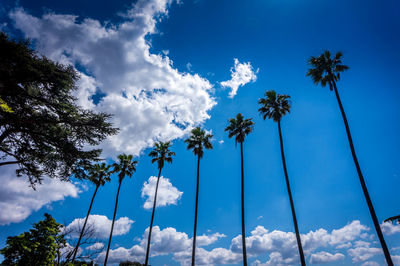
<point>162,67</point>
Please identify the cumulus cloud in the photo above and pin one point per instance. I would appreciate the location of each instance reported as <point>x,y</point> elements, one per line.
<point>280,246</point>
<point>95,246</point>
<point>167,194</point>
<point>150,99</point>
<point>18,200</point>
<point>163,242</point>
<point>241,74</point>
<point>101,226</point>
<point>363,253</point>
<point>325,257</point>
<point>389,228</point>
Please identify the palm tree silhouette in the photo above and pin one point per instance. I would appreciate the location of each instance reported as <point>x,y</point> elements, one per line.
<point>160,154</point>
<point>326,70</point>
<point>239,128</point>
<point>125,167</point>
<point>98,174</point>
<point>275,106</point>
<point>198,140</point>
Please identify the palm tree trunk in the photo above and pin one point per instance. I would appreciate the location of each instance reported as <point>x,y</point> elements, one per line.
<point>242,198</point>
<point>195,211</point>
<point>84,225</point>
<point>151,222</point>
<point>363,185</point>
<point>112,225</point>
<point>296,228</point>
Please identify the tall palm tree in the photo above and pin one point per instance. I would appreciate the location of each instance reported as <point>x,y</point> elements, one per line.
<point>326,70</point>
<point>199,140</point>
<point>160,154</point>
<point>275,106</point>
<point>239,128</point>
<point>98,174</point>
<point>125,167</point>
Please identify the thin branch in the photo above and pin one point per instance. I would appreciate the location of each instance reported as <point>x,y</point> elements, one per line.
<point>9,162</point>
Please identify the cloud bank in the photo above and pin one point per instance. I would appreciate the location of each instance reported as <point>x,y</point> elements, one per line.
<point>320,246</point>
<point>149,98</point>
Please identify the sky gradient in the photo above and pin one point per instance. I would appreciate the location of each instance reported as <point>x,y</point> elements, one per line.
<point>163,67</point>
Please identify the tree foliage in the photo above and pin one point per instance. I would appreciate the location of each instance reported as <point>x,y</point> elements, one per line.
<point>198,140</point>
<point>125,167</point>
<point>239,127</point>
<point>37,247</point>
<point>162,154</point>
<point>326,69</point>
<point>46,131</point>
<point>274,105</point>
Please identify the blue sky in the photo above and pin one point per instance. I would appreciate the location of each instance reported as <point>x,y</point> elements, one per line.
<point>128,50</point>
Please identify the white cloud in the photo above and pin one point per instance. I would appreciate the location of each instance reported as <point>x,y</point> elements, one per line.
<point>280,246</point>
<point>396,259</point>
<point>205,240</point>
<point>370,263</point>
<point>363,253</point>
<point>163,242</point>
<point>101,226</point>
<point>241,74</point>
<point>167,194</point>
<point>348,232</point>
<point>95,246</point>
<point>150,99</point>
<point>345,245</point>
<point>18,200</point>
<point>325,257</point>
<point>389,228</point>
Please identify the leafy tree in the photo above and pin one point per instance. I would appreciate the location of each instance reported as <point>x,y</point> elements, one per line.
<point>239,128</point>
<point>326,70</point>
<point>98,174</point>
<point>4,107</point>
<point>125,167</point>
<point>198,140</point>
<point>37,247</point>
<point>274,106</point>
<point>160,154</point>
<point>46,131</point>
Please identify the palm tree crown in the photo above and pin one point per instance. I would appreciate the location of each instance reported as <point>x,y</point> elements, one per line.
<point>161,153</point>
<point>274,105</point>
<point>99,174</point>
<point>326,69</point>
<point>125,167</point>
<point>198,140</point>
<point>239,127</point>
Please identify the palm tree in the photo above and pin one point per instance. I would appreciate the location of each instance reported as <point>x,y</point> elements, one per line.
<point>326,70</point>
<point>275,106</point>
<point>393,219</point>
<point>160,154</point>
<point>125,167</point>
<point>239,128</point>
<point>197,141</point>
<point>98,174</point>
